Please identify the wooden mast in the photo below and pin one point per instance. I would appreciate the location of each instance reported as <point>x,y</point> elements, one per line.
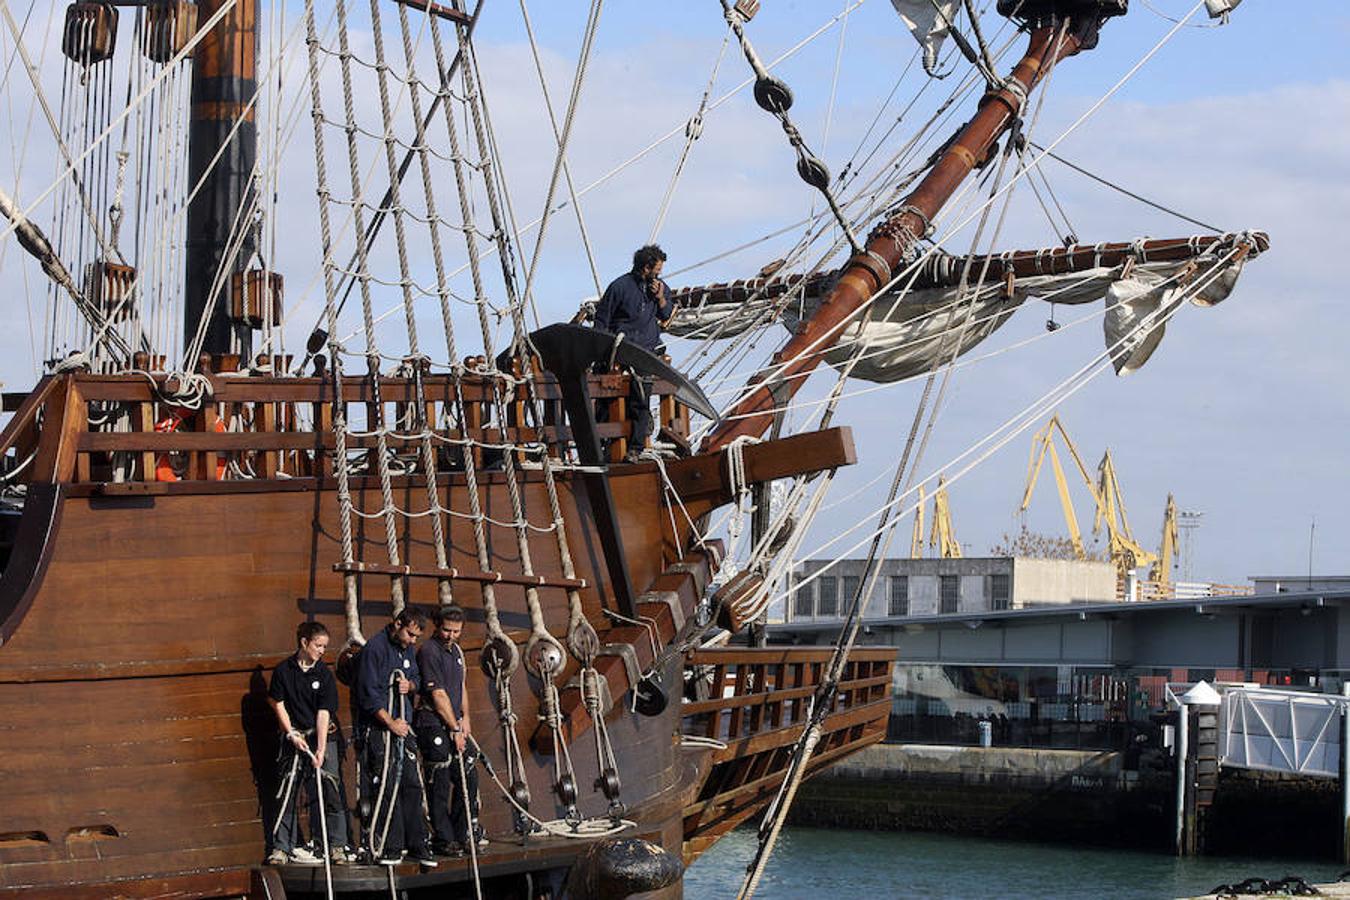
<point>890,243</point>
<point>224,84</point>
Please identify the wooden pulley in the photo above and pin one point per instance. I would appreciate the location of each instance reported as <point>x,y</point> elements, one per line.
<point>255,298</point>
<point>566,789</point>
<point>544,657</point>
<point>520,793</point>
<point>109,287</point>
<point>773,95</point>
<point>169,25</point>
<point>497,657</point>
<point>609,784</point>
<point>90,33</point>
<point>813,171</point>
<point>730,599</point>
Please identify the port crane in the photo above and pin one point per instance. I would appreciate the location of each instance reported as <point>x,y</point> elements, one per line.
<point>1108,500</point>
<point>1161,571</point>
<point>943,536</point>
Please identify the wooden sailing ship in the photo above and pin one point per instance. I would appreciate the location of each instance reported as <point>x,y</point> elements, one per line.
<point>176,522</point>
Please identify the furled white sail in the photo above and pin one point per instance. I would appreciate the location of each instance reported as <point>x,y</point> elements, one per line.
<point>905,336</point>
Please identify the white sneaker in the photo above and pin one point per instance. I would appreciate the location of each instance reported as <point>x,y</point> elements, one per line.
<point>276,858</point>
<point>302,857</point>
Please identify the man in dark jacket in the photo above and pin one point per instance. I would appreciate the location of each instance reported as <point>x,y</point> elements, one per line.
<point>386,683</point>
<point>637,305</point>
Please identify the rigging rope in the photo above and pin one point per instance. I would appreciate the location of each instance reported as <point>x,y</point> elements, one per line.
<point>645,151</point>
<point>693,130</point>
<point>777,370</point>
<point>1128,193</point>
<point>774,97</point>
<point>558,139</point>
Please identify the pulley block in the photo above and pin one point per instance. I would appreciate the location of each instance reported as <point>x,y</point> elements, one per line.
<point>773,95</point>
<point>566,789</point>
<point>497,657</point>
<point>544,657</point>
<point>90,33</point>
<point>609,784</point>
<point>813,171</point>
<point>110,286</point>
<point>584,642</point>
<point>169,25</point>
<point>520,793</point>
<point>255,298</point>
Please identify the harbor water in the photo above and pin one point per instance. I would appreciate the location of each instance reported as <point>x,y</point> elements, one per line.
<point>827,864</point>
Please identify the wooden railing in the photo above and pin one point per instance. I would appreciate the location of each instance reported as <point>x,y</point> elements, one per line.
<point>69,427</point>
<point>754,691</point>
<point>756,702</point>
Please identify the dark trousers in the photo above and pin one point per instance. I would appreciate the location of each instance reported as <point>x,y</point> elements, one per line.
<point>450,820</point>
<point>398,794</point>
<point>640,412</point>
<point>296,769</point>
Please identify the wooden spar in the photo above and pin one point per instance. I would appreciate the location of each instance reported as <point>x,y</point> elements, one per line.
<point>224,83</point>
<point>945,271</point>
<point>889,244</point>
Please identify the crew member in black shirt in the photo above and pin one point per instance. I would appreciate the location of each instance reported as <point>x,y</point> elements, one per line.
<point>443,730</point>
<point>303,694</point>
<point>386,683</point>
<point>638,305</point>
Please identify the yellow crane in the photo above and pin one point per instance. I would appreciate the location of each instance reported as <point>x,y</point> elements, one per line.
<point>916,539</point>
<point>1126,552</point>
<point>1162,568</point>
<point>1108,501</point>
<point>1042,445</point>
<point>943,536</point>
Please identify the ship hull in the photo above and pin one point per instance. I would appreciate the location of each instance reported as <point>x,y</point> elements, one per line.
<point>141,622</point>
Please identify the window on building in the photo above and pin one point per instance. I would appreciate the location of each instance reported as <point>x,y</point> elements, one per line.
<point>899,599</point>
<point>829,596</point>
<point>850,590</point>
<point>1000,593</point>
<point>804,603</point>
<point>949,592</point>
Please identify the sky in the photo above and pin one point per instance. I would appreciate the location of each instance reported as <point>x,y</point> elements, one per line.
<point>1242,413</point>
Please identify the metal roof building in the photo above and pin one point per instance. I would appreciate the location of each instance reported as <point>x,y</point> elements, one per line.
<point>1303,630</point>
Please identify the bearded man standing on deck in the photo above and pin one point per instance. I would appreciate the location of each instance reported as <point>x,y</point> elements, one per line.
<point>443,735</point>
<point>636,306</point>
<point>387,681</point>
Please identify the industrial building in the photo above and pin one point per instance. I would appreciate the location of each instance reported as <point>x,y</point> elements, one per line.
<point>1086,674</point>
<point>923,587</point>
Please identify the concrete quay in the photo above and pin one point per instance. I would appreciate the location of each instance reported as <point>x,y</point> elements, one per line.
<point>1043,794</point>
<point>1070,796</point>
